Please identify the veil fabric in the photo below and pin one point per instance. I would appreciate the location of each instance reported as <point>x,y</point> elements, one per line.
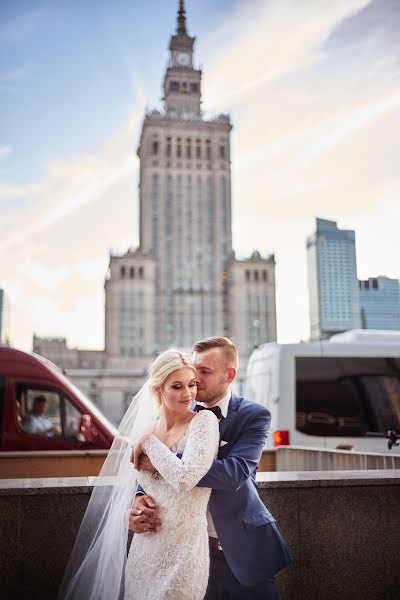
<point>96,567</point>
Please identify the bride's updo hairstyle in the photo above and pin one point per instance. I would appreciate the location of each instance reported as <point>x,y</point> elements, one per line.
<point>165,364</point>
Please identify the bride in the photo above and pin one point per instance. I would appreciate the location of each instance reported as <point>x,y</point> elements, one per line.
<point>173,563</point>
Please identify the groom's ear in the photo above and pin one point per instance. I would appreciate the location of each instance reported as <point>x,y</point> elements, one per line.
<point>231,374</point>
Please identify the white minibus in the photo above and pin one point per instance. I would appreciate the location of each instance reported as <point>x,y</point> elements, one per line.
<point>340,393</point>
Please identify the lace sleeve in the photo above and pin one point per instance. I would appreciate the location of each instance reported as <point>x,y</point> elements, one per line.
<point>200,450</point>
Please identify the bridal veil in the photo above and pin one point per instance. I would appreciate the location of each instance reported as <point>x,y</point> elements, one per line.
<point>96,567</point>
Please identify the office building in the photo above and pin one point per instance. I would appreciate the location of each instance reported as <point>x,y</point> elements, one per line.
<point>380,303</point>
<point>334,296</point>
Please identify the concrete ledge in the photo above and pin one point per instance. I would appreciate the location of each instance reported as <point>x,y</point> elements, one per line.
<point>343,529</point>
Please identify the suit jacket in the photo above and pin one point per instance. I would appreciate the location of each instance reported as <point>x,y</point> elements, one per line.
<point>252,544</point>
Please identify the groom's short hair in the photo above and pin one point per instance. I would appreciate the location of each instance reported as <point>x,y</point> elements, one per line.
<point>224,343</point>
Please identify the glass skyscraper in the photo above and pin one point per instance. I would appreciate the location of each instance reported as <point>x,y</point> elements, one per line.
<point>332,280</point>
<point>380,303</point>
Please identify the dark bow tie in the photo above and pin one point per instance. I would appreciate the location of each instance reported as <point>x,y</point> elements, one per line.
<point>215,409</point>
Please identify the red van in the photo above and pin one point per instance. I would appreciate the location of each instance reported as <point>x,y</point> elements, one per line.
<point>40,409</point>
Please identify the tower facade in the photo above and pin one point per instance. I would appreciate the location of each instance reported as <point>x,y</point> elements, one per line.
<point>185,204</point>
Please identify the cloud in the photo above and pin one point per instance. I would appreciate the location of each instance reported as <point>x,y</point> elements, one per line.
<point>354,121</point>
<point>272,40</point>
<point>68,186</point>
<point>314,92</point>
<point>5,151</point>
<point>59,239</point>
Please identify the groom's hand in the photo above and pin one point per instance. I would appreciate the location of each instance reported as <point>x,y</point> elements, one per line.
<point>144,515</point>
<point>137,450</point>
<point>145,464</point>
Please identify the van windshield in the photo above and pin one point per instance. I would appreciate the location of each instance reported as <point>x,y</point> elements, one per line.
<point>347,396</point>
<point>92,408</point>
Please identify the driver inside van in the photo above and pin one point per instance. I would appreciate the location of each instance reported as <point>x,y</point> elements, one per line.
<point>35,421</point>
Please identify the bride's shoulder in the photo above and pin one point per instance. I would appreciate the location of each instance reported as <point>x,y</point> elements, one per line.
<point>204,417</point>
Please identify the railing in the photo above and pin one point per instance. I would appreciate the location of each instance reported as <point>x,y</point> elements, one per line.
<point>297,458</point>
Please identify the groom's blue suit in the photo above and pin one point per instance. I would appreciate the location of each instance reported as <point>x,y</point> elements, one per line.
<point>252,545</point>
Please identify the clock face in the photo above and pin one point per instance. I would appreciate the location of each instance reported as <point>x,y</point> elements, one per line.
<point>183,58</point>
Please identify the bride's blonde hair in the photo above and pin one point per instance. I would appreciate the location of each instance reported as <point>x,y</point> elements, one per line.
<point>165,364</point>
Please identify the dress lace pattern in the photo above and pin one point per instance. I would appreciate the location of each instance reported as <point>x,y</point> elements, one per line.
<point>173,563</point>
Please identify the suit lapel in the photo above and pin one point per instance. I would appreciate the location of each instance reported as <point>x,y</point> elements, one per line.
<point>234,404</point>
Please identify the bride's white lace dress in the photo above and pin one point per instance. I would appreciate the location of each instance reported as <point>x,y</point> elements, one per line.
<point>173,563</point>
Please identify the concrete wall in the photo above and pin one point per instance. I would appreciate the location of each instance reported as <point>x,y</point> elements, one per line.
<point>343,529</point>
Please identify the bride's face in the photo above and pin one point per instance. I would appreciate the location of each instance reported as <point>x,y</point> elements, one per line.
<point>178,391</point>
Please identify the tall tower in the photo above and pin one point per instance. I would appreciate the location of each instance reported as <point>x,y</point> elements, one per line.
<point>183,283</point>
<point>185,204</point>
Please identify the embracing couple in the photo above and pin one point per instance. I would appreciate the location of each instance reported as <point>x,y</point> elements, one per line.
<point>201,530</point>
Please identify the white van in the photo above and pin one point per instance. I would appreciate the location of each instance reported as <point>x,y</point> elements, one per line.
<point>340,393</point>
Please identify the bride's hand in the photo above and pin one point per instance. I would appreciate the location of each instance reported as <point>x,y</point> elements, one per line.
<point>138,450</point>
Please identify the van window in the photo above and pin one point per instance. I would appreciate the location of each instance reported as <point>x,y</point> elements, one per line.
<point>72,419</point>
<point>346,396</point>
<point>39,411</point>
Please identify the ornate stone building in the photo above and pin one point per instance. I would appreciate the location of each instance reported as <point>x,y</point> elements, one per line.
<point>183,282</point>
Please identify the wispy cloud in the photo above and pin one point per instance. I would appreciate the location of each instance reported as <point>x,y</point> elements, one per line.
<point>313,89</point>
<point>354,121</point>
<point>10,80</point>
<point>70,185</point>
<point>5,151</point>
<point>63,233</point>
<point>276,39</point>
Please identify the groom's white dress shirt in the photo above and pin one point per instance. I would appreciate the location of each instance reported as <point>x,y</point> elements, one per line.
<point>223,405</point>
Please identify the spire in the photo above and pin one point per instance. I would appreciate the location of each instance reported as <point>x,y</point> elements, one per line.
<point>181,29</point>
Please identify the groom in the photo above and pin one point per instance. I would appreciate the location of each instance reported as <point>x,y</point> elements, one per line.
<point>246,548</point>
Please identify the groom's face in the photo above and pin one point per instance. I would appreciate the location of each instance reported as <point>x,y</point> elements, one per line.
<point>212,375</point>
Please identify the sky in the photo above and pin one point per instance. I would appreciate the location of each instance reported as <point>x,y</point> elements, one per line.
<point>313,90</point>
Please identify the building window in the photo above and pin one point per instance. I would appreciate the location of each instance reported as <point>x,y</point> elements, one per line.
<point>154,147</point>
<point>265,275</point>
<point>194,88</point>
<point>132,272</point>
<point>140,272</point>
<point>222,151</point>
<point>174,86</point>
<point>208,149</point>
<point>198,149</point>
<point>247,275</point>
<point>122,272</point>
<point>168,148</point>
<point>188,148</point>
<point>255,275</point>
<point>178,148</point>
